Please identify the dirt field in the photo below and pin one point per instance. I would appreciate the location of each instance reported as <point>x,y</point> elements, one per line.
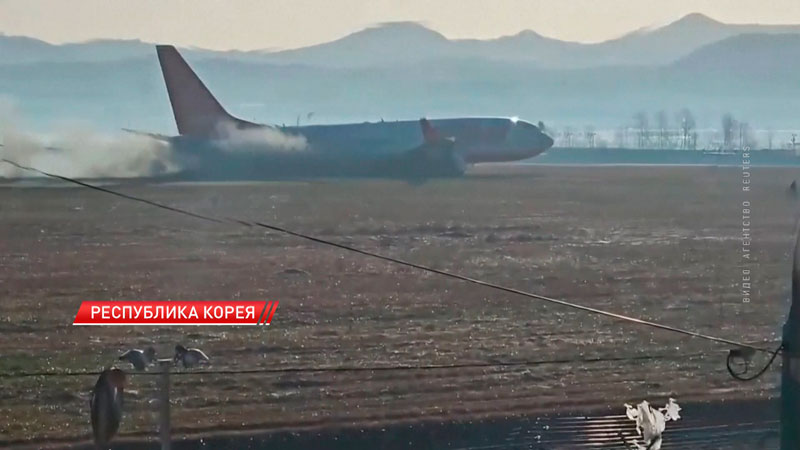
<point>658,243</point>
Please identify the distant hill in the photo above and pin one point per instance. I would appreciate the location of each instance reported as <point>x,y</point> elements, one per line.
<point>673,41</point>
<point>405,71</point>
<point>398,43</point>
<point>387,44</point>
<point>402,43</point>
<point>757,53</point>
<point>25,50</point>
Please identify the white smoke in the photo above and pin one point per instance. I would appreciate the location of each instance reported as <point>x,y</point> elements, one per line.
<point>258,139</point>
<point>77,150</point>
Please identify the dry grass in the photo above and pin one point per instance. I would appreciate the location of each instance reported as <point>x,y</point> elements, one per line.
<point>658,243</point>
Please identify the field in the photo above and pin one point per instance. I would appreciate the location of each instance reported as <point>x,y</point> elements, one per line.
<point>661,243</point>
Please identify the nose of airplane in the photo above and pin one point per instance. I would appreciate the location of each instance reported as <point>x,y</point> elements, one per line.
<point>528,140</point>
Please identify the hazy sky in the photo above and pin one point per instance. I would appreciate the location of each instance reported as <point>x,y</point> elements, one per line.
<point>251,24</point>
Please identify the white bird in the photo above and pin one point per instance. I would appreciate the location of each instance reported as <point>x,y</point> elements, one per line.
<point>671,410</point>
<point>140,359</point>
<point>651,423</point>
<point>190,357</point>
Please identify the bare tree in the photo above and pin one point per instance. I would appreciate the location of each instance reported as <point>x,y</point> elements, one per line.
<point>746,136</point>
<point>663,128</point>
<point>687,123</point>
<point>728,126</point>
<point>568,136</point>
<point>620,137</point>
<point>641,124</point>
<point>590,134</point>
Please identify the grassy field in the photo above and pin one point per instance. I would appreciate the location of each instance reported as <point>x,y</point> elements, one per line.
<point>658,243</point>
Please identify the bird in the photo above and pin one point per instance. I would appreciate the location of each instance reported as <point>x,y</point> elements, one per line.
<point>106,406</point>
<point>140,359</point>
<point>671,410</point>
<point>190,357</point>
<point>651,422</point>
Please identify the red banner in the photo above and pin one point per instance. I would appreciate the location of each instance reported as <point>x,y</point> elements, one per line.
<point>175,313</point>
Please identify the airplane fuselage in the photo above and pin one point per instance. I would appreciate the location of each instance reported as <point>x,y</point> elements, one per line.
<point>359,149</point>
<point>214,144</point>
<point>477,139</point>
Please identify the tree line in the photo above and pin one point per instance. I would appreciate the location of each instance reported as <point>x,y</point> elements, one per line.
<point>659,132</point>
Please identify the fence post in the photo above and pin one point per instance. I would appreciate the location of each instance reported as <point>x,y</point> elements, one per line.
<point>163,404</point>
<point>790,372</point>
<point>790,390</point>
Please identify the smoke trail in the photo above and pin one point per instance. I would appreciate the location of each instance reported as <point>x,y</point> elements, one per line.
<point>258,140</point>
<point>77,150</point>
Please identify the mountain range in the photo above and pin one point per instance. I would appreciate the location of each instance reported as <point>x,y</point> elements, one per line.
<point>401,43</point>
<point>405,71</point>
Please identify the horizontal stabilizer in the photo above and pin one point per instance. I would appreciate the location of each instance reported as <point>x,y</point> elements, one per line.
<point>156,136</point>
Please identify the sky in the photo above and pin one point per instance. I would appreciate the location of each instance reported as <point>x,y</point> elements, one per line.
<point>280,24</point>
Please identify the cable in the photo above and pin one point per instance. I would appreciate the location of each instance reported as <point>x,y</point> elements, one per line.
<point>745,355</point>
<point>398,261</point>
<point>401,367</point>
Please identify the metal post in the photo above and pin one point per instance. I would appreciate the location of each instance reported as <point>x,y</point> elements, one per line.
<point>163,416</point>
<point>790,372</point>
<point>790,389</point>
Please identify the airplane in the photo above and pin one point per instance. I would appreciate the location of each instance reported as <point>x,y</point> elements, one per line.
<point>214,145</point>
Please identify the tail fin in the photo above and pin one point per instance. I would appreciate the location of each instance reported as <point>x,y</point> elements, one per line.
<point>197,112</point>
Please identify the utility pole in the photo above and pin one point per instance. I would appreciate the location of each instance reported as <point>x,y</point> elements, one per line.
<point>790,372</point>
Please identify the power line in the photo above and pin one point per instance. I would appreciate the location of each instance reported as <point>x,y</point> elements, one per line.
<point>402,262</point>
<point>379,368</point>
